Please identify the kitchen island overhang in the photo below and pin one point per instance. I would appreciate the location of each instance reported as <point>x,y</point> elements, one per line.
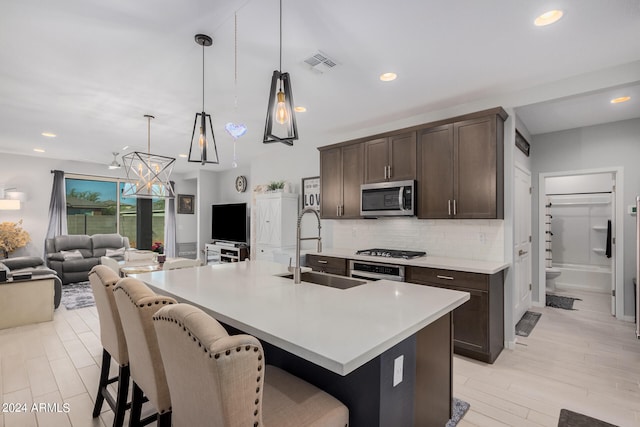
<point>338,330</point>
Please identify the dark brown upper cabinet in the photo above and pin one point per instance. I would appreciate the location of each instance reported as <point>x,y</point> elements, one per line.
<point>461,169</point>
<point>391,158</point>
<point>341,174</point>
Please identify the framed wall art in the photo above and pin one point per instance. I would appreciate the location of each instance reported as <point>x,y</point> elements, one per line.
<point>311,192</point>
<point>185,203</point>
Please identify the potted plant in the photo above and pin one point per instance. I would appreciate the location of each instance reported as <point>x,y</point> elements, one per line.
<point>275,186</point>
<point>157,247</point>
<point>12,237</point>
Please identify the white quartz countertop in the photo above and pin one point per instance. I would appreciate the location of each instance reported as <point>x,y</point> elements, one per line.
<point>339,330</point>
<point>457,264</point>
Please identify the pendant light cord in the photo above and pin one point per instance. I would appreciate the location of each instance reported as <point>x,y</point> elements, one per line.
<point>149,135</point>
<point>203,77</point>
<point>280,36</point>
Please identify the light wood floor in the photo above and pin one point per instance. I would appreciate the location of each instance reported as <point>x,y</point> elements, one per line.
<point>582,360</point>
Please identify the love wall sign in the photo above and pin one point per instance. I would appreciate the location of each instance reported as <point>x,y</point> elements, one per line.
<point>311,192</point>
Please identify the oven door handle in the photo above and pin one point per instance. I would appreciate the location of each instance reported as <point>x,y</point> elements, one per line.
<point>374,276</point>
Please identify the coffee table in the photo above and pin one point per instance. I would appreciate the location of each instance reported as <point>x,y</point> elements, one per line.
<point>137,269</point>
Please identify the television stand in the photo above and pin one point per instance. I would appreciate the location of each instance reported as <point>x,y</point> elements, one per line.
<point>216,253</point>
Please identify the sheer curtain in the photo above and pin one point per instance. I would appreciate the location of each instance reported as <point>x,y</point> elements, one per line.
<point>170,225</point>
<point>57,207</point>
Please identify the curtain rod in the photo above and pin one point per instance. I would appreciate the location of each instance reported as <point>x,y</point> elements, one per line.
<point>112,178</point>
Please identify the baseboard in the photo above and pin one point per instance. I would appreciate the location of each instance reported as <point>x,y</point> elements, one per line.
<point>570,287</point>
<point>630,319</point>
<point>510,345</point>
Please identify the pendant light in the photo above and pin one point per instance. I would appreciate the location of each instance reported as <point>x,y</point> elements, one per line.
<point>203,149</point>
<point>148,174</point>
<point>281,120</point>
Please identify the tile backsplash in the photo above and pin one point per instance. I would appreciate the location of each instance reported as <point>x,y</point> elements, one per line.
<point>481,240</point>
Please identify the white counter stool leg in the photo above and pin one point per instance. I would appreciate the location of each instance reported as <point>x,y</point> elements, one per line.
<point>137,304</point>
<point>102,280</point>
<point>221,380</point>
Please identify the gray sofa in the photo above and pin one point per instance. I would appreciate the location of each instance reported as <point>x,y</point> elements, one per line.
<point>36,267</point>
<point>73,256</point>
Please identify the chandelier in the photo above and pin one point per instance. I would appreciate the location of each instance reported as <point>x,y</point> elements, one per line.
<point>147,174</point>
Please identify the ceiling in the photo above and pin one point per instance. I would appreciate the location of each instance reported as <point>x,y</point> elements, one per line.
<point>89,70</point>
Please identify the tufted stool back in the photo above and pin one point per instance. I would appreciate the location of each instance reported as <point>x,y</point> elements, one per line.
<point>219,380</point>
<point>114,344</point>
<point>103,280</point>
<point>137,304</point>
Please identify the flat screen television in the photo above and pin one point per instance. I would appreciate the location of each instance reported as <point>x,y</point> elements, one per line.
<point>229,222</point>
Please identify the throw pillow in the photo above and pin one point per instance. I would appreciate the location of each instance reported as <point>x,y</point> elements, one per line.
<point>115,252</point>
<point>71,254</point>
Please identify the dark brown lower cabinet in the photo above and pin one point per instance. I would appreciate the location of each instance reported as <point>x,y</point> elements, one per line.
<point>478,324</point>
<point>327,264</point>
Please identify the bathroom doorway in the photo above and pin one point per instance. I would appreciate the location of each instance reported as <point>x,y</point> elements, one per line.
<point>578,237</point>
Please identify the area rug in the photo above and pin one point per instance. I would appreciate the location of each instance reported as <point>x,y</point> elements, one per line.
<point>460,407</point>
<point>527,323</point>
<point>557,301</point>
<point>573,419</point>
<point>77,295</point>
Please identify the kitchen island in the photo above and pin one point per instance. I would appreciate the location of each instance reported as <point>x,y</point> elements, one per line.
<point>353,343</point>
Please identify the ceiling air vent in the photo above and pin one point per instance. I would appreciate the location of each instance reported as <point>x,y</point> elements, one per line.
<point>320,62</point>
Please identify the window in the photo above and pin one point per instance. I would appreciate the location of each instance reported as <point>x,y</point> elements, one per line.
<point>93,206</point>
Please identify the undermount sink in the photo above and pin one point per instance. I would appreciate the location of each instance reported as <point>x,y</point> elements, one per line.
<point>326,279</point>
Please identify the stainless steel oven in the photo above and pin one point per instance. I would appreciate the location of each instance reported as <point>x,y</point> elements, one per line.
<point>372,271</point>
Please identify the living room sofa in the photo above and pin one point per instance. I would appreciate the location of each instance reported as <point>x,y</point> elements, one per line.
<point>73,256</point>
<point>37,268</point>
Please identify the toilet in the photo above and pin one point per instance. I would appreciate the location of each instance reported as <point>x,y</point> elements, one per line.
<point>551,275</point>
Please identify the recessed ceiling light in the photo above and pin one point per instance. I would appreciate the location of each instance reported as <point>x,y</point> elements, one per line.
<point>620,99</point>
<point>300,109</point>
<point>387,77</point>
<point>38,150</point>
<point>182,155</point>
<point>125,147</point>
<point>48,134</point>
<point>548,18</point>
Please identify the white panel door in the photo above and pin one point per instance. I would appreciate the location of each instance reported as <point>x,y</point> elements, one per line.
<point>269,216</point>
<point>522,243</point>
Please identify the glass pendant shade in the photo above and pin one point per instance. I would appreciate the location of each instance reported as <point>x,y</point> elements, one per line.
<point>281,120</point>
<point>203,143</point>
<point>148,174</point>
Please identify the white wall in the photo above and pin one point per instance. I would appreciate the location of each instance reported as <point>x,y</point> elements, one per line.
<point>609,145</point>
<point>32,175</point>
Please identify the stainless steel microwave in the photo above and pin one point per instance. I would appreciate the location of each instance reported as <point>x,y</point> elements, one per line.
<point>388,199</point>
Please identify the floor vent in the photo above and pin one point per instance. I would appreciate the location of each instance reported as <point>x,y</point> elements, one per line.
<point>320,62</point>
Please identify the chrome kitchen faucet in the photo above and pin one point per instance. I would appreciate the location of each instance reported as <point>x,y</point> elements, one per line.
<point>296,271</point>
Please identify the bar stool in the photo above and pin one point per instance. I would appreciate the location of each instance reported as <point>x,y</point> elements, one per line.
<point>220,380</point>
<point>137,304</point>
<point>114,344</point>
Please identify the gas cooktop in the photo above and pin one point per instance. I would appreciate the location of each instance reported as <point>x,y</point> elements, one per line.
<point>391,253</point>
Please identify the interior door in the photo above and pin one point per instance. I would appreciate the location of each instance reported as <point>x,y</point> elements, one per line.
<point>522,243</point>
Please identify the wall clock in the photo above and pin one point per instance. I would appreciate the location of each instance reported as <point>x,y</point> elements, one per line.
<point>241,184</point>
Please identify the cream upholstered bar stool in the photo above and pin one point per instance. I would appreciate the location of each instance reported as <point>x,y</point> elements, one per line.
<point>114,345</point>
<point>219,380</point>
<point>137,304</point>
<point>111,263</point>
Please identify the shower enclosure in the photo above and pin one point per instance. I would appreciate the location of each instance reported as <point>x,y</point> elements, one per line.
<point>581,240</point>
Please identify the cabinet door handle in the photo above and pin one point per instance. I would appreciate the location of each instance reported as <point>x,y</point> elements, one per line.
<point>321,261</point>
<point>444,277</point>
<point>521,252</point>
<point>455,208</point>
<point>341,210</point>
<point>385,173</point>
<point>337,210</point>
<point>449,206</point>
